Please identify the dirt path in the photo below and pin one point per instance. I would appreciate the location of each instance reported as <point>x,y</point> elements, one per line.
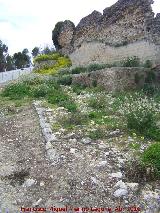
<point>22,157</point>
<point>28,179</point>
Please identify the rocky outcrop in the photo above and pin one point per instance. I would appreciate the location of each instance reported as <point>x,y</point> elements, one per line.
<point>62,36</point>
<point>153,29</point>
<point>125,22</point>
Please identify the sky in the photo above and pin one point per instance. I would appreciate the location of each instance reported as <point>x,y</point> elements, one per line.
<point>29,23</point>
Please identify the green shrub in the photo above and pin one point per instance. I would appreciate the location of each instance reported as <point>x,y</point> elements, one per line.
<point>62,100</point>
<point>131,62</point>
<point>42,91</point>
<point>140,120</point>
<point>149,89</point>
<point>97,134</point>
<point>68,104</point>
<point>141,114</point>
<point>98,103</point>
<point>17,91</point>
<point>151,157</point>
<point>94,83</point>
<point>33,81</point>
<point>39,92</point>
<point>96,115</point>
<point>151,77</point>
<point>79,70</point>
<point>144,122</point>
<point>96,89</point>
<point>148,64</point>
<point>153,133</point>
<point>78,88</point>
<point>61,62</point>
<point>57,97</point>
<point>74,120</point>
<point>53,84</point>
<point>65,80</point>
<point>64,71</point>
<point>44,57</point>
<point>94,67</point>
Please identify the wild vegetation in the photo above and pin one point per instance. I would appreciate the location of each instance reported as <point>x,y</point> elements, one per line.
<point>95,113</point>
<point>60,62</point>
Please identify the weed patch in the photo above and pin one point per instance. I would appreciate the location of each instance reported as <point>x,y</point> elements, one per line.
<point>17,91</point>
<point>151,158</point>
<point>99,133</point>
<point>73,120</point>
<point>98,103</point>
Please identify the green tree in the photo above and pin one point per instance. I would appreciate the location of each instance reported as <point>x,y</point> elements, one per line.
<point>9,63</point>
<point>22,59</point>
<point>3,54</point>
<point>35,51</point>
<point>48,50</point>
<point>26,58</point>
<point>18,60</point>
<point>25,51</point>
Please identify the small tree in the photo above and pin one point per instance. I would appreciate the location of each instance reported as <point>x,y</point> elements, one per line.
<point>48,50</point>
<point>35,51</point>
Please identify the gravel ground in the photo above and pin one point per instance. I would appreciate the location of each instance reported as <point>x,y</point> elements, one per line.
<point>71,171</point>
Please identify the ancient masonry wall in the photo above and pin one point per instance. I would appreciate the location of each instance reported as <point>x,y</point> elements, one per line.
<point>116,79</point>
<point>95,52</point>
<point>127,28</point>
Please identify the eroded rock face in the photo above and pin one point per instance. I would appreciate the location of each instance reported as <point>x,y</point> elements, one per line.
<point>62,36</point>
<point>125,22</point>
<point>153,29</point>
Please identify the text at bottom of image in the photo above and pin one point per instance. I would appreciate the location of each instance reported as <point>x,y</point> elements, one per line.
<point>82,209</point>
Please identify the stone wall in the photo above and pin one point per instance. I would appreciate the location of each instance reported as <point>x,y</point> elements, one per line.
<point>96,52</point>
<point>129,24</point>
<point>115,79</point>
<point>122,22</point>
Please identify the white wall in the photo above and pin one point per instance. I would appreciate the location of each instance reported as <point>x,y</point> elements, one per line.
<point>13,74</point>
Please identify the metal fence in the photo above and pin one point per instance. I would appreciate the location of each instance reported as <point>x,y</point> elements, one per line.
<point>13,74</point>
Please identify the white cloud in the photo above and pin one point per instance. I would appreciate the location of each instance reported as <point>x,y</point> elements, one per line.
<point>26,24</point>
